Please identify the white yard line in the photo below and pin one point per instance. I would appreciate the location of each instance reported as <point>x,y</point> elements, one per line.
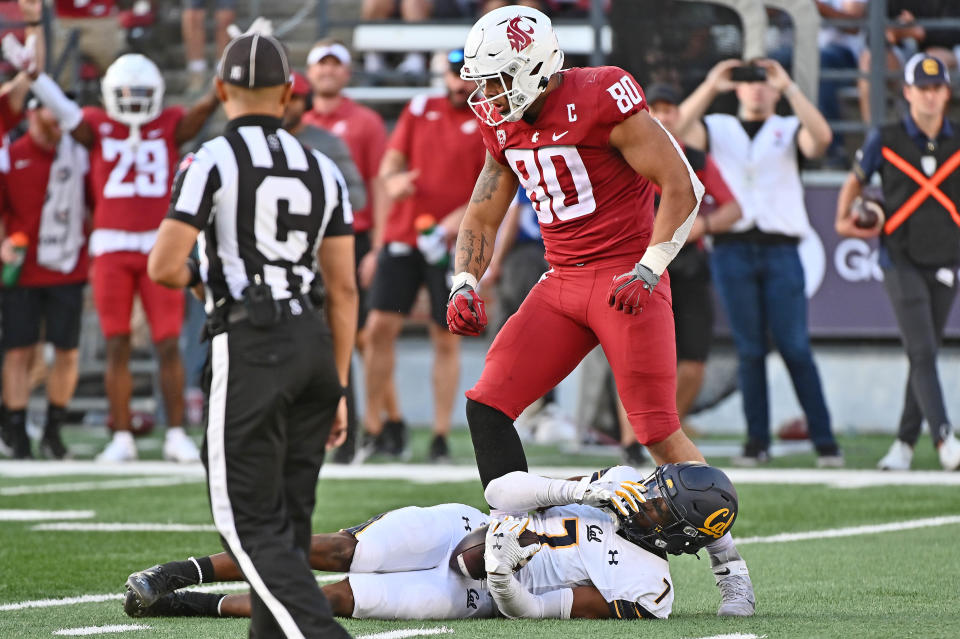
<point>84,599</point>
<point>429,473</point>
<point>99,630</point>
<point>108,484</point>
<point>894,526</point>
<point>410,632</point>
<point>123,527</point>
<point>41,515</point>
<point>736,635</point>
<point>64,601</point>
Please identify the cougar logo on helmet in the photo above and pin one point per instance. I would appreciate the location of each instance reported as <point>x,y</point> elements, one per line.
<point>717,529</point>
<point>519,37</point>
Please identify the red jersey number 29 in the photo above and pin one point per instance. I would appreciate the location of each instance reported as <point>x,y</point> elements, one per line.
<point>626,93</point>
<point>150,166</point>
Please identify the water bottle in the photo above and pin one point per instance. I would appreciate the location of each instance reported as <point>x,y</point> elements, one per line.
<point>431,240</point>
<point>11,270</point>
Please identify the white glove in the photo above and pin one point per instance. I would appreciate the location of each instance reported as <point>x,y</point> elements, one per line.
<point>503,553</point>
<point>260,25</point>
<point>433,245</point>
<point>22,56</point>
<point>622,498</point>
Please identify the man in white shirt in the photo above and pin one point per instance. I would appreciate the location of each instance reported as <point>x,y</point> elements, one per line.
<point>756,264</point>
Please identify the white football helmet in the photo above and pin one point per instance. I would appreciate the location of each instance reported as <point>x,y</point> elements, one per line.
<point>132,90</point>
<point>515,41</point>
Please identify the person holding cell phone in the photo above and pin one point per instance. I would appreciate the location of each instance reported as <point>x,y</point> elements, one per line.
<point>756,265</point>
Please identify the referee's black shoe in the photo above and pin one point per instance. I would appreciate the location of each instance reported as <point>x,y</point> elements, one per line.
<point>147,586</point>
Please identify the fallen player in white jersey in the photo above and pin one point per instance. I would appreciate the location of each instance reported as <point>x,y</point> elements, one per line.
<point>601,553</point>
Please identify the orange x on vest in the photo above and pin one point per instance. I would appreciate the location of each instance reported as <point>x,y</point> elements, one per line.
<point>928,187</point>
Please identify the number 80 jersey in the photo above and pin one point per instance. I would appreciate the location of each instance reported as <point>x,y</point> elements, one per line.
<point>131,184</point>
<point>592,206</point>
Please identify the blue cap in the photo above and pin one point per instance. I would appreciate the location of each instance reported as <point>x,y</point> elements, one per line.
<point>923,70</point>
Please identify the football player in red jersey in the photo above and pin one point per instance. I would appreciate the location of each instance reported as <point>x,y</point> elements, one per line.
<point>134,148</point>
<point>585,149</point>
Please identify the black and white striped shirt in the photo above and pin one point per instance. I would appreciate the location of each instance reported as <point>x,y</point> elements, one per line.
<point>263,202</point>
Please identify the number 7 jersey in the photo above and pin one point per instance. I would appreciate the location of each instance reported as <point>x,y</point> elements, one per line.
<point>592,206</point>
<point>131,184</point>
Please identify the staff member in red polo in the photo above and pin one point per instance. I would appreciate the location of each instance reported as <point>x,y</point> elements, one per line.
<point>429,169</point>
<point>43,198</point>
<point>363,131</point>
<point>918,160</point>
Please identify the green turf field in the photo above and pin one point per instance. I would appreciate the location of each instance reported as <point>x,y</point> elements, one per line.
<point>892,584</point>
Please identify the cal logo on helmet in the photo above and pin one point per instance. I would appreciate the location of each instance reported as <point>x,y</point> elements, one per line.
<point>718,522</point>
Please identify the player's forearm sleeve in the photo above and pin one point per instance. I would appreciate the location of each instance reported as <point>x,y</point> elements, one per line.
<point>658,256</point>
<point>516,602</point>
<point>67,111</point>
<point>521,491</point>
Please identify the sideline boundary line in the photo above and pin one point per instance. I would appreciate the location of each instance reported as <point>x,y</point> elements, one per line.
<point>160,472</point>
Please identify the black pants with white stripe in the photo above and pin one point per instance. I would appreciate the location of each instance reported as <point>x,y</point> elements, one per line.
<point>273,396</point>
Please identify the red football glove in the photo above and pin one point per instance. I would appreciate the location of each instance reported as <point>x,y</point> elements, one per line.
<point>465,312</point>
<point>631,290</point>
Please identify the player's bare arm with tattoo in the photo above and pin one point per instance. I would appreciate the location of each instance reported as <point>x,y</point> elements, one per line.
<point>491,198</point>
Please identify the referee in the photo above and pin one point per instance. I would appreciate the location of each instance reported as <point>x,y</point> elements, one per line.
<point>263,203</point>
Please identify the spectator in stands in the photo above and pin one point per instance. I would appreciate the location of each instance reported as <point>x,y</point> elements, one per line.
<point>840,48</point>
<point>756,265</point>
<point>908,37</point>
<point>95,21</point>
<point>363,131</point>
<point>429,169</point>
<point>43,199</point>
<point>193,26</point>
<point>415,62</point>
<point>917,158</point>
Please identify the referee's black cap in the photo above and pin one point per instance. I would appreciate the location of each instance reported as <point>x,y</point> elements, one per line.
<point>254,61</point>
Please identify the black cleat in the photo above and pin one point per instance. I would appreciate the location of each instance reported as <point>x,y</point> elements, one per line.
<point>395,432</point>
<point>21,446</point>
<point>52,447</point>
<point>153,583</point>
<point>633,455</point>
<point>439,450</point>
<point>174,604</point>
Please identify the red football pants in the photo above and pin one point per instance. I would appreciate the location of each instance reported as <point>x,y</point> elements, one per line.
<point>562,319</point>
<point>117,277</point>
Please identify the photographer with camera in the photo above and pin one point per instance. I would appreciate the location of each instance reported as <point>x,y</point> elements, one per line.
<point>270,211</point>
<point>917,159</point>
<point>756,265</point>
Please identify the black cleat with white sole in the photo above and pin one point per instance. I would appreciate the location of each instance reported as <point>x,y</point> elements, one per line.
<point>153,583</point>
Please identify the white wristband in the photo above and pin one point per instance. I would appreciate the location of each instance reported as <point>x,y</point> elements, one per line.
<point>67,111</point>
<point>463,278</point>
<point>658,256</point>
<point>516,602</point>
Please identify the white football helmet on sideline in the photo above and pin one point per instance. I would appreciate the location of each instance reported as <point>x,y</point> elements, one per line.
<point>515,41</point>
<point>132,91</point>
